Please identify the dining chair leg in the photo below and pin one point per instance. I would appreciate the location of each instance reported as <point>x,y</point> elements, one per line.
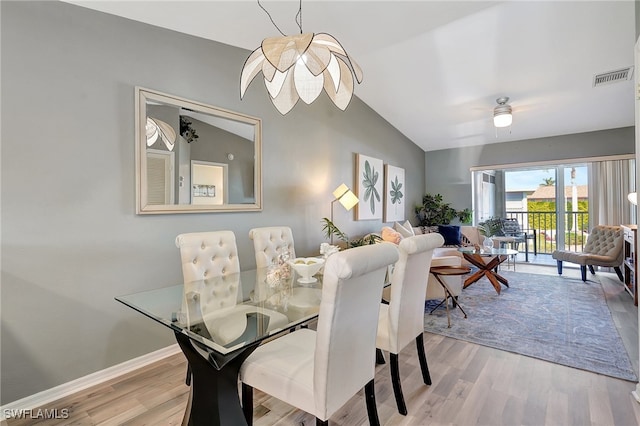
<point>370,398</point>
<point>397,386</point>
<point>247,403</point>
<point>187,381</point>
<point>583,272</point>
<point>322,422</point>
<point>426,377</point>
<point>593,271</point>
<point>380,357</point>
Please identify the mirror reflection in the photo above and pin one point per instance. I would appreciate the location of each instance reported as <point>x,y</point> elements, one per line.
<point>193,157</point>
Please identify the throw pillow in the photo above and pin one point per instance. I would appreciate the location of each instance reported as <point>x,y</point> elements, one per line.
<point>428,229</point>
<point>407,225</point>
<point>403,230</point>
<point>388,234</point>
<point>451,234</point>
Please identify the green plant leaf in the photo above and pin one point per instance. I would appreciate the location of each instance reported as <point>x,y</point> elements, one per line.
<point>434,211</point>
<point>329,228</point>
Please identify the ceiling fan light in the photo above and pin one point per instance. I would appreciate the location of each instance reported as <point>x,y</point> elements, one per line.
<point>502,116</point>
<point>503,119</point>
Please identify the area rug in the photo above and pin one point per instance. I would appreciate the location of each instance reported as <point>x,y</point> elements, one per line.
<point>557,319</point>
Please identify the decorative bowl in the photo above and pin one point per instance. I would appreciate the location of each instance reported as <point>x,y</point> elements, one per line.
<point>307,267</point>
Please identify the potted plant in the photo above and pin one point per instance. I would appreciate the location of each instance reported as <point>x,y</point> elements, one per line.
<point>330,229</point>
<point>491,227</point>
<point>434,211</point>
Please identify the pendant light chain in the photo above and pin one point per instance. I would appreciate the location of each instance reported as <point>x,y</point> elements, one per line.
<point>272,21</point>
<point>298,18</point>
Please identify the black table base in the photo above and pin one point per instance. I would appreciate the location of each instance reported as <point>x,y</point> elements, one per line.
<point>214,398</point>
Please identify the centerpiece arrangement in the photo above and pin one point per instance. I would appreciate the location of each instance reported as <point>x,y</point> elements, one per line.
<point>307,267</point>
<point>490,228</point>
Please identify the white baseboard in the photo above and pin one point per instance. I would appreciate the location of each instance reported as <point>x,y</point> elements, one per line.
<point>47,396</point>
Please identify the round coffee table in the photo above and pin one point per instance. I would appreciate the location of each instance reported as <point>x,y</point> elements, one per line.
<point>439,271</point>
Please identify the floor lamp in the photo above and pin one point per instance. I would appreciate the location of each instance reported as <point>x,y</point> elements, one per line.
<point>346,197</point>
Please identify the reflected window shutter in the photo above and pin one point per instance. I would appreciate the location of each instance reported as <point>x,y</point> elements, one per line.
<point>156,180</point>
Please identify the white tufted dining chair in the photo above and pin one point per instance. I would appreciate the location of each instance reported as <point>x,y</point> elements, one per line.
<point>208,254</point>
<point>402,320</point>
<point>268,241</point>
<point>212,288</point>
<point>209,267</point>
<point>319,371</point>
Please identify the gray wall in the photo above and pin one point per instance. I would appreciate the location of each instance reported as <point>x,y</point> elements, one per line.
<point>213,145</point>
<point>447,171</point>
<point>71,240</point>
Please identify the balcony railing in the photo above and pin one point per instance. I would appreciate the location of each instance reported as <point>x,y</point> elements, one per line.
<point>543,225</point>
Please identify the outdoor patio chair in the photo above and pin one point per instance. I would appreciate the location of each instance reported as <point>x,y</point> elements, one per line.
<point>604,247</point>
<point>511,228</point>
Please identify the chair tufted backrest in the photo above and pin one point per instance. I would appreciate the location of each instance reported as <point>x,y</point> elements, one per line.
<point>206,301</point>
<point>605,240</point>
<point>344,359</point>
<point>408,286</point>
<point>208,254</point>
<point>511,227</point>
<point>268,241</point>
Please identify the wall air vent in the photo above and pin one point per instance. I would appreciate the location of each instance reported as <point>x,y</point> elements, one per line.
<point>623,74</point>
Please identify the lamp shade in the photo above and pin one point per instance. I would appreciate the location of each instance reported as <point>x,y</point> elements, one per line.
<point>300,67</point>
<point>349,200</point>
<point>155,129</point>
<point>340,191</point>
<point>346,197</point>
<point>633,198</point>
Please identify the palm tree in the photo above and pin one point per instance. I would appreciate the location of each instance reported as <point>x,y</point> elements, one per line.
<point>548,181</point>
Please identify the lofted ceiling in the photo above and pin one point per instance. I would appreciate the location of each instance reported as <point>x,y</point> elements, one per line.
<point>434,69</point>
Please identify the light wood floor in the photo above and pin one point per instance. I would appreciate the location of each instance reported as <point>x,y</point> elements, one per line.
<point>472,385</point>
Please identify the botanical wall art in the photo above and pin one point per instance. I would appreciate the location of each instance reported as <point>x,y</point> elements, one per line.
<point>394,190</point>
<point>368,187</point>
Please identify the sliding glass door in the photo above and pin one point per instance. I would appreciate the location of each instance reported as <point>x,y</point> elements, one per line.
<point>560,203</point>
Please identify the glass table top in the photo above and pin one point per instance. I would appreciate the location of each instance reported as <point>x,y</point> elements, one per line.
<point>229,312</point>
<point>492,252</point>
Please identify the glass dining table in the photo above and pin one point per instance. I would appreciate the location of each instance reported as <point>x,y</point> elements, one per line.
<point>218,322</point>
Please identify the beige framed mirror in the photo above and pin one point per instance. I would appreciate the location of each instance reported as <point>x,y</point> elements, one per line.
<point>193,157</point>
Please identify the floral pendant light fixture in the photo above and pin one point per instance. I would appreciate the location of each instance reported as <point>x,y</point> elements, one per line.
<point>156,129</point>
<point>300,67</point>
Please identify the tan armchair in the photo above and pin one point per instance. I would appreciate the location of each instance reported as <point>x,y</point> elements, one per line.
<point>604,247</point>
